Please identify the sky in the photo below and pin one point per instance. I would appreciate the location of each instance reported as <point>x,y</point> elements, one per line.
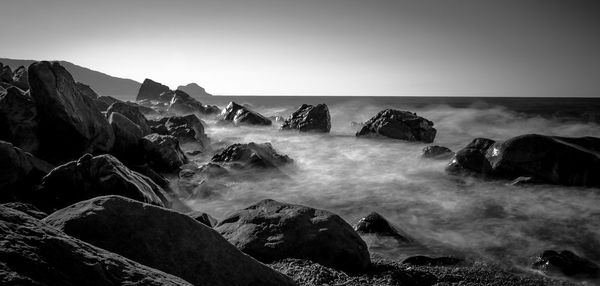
<point>321,47</point>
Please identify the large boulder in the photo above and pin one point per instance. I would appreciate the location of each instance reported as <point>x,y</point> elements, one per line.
<point>70,123</point>
<point>271,230</point>
<point>193,89</point>
<point>398,124</point>
<point>131,112</point>
<point>251,155</point>
<point>163,152</point>
<point>104,101</point>
<point>127,138</point>
<point>86,90</point>
<point>238,114</point>
<point>309,118</point>
<point>19,172</point>
<point>20,78</point>
<point>188,129</point>
<point>163,239</point>
<point>566,263</point>
<point>19,119</point>
<point>183,103</point>
<point>34,253</point>
<point>151,90</point>
<point>91,177</point>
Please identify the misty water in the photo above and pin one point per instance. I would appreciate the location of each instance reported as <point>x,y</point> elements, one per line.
<point>444,214</point>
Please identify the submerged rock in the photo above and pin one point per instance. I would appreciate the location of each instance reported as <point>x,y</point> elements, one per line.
<point>437,152</point>
<point>239,114</point>
<point>398,124</point>
<point>19,172</point>
<point>151,90</point>
<point>566,263</point>
<point>166,240</point>
<point>309,118</point>
<point>271,230</point>
<point>163,152</point>
<point>132,113</point>
<point>19,120</point>
<point>252,155</point>
<point>374,223</point>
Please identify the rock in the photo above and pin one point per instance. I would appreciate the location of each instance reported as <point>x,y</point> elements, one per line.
<point>163,239</point>
<point>19,120</point>
<point>70,123</point>
<point>270,230</point>
<point>163,152</point>
<point>437,152</point>
<point>86,90</point>
<point>252,155</point>
<point>309,118</point>
<point>34,253</point>
<point>127,138</point>
<point>566,263</point>
<point>374,223</point>
<point>187,129</point>
<point>26,208</point>
<point>202,182</point>
<point>103,102</point>
<point>420,260</point>
<point>6,74</point>
<point>183,103</point>
<point>19,173</point>
<point>20,78</point>
<point>278,119</point>
<point>131,112</point>
<point>472,158</point>
<point>398,124</point>
<point>91,177</point>
<point>193,89</point>
<point>151,90</point>
<point>145,110</point>
<point>204,218</point>
<point>242,115</point>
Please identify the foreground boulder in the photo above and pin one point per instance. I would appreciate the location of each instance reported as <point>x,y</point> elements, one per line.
<point>34,253</point>
<point>566,263</point>
<point>375,223</point>
<point>163,239</point>
<point>252,155</point>
<point>19,172</point>
<point>399,124</point>
<point>163,152</point>
<point>70,123</point>
<point>91,177</point>
<point>238,114</point>
<point>19,119</point>
<point>309,118</point>
<point>270,230</point>
<point>151,90</point>
<point>437,152</point>
<point>131,112</point>
<point>183,103</point>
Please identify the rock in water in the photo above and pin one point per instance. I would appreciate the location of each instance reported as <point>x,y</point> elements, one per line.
<point>309,118</point>
<point>566,263</point>
<point>70,123</point>
<point>20,78</point>
<point>91,177</point>
<point>270,230</point>
<point>187,129</point>
<point>375,223</point>
<point>131,112</point>
<point>472,158</point>
<point>252,155</point>
<point>163,239</point>
<point>34,253</point>
<point>437,152</point>
<point>86,90</point>
<point>19,120</point>
<point>398,124</point>
<point>163,152</point>
<point>193,89</point>
<point>19,173</point>
<point>242,115</point>
<point>151,90</point>
<point>127,138</point>
<point>183,103</point>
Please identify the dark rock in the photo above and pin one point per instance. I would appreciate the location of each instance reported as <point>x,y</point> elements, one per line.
<point>19,120</point>
<point>103,102</point>
<point>183,103</point>
<point>252,155</point>
<point>437,152</point>
<point>166,240</point>
<point>70,123</point>
<point>374,223</point>
<point>91,177</point>
<point>193,89</point>
<point>187,129</point>
<point>145,110</point>
<point>204,218</point>
<point>270,230</point>
<point>34,253</point>
<point>163,152</point>
<point>26,208</point>
<point>151,90</point>
<point>472,158</point>
<point>202,182</point>
<point>309,118</point>
<point>19,172</point>
<point>242,115</point>
<point>127,138</point>
<point>131,112</point>
<point>20,78</point>
<point>420,260</point>
<point>566,263</point>
<point>6,74</point>
<point>86,90</point>
<point>398,124</point>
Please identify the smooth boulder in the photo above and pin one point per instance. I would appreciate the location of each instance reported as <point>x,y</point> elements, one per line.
<point>151,90</point>
<point>19,119</point>
<point>163,152</point>
<point>251,155</point>
<point>271,230</point>
<point>20,172</point>
<point>238,114</point>
<point>375,223</point>
<point>86,90</point>
<point>397,124</point>
<point>131,112</point>
<point>314,118</point>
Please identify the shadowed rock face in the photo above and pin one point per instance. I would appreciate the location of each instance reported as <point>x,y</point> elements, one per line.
<point>20,78</point>
<point>252,155</point>
<point>19,119</point>
<point>309,118</point>
<point>566,263</point>
<point>151,90</point>
<point>131,112</point>
<point>86,90</point>
<point>398,124</point>
<point>271,230</point>
<point>19,172</point>
<point>70,123</point>
<point>26,208</point>
<point>203,218</point>
<point>127,138</point>
<point>163,239</point>
<point>34,253</point>
<point>238,114</point>
<point>163,152</point>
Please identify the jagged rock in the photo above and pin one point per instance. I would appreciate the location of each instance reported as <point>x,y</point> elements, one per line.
<point>70,123</point>
<point>145,110</point>
<point>127,138</point>
<point>34,253</point>
<point>239,114</point>
<point>375,223</point>
<point>6,74</point>
<point>204,218</point>
<point>19,120</point>
<point>151,90</point>
<point>103,102</point>
<point>166,240</point>
<point>202,182</point>
<point>19,173</point>
<point>252,155</point>
<point>183,103</point>
<point>163,152</point>
<point>398,124</point>
<point>187,129</point>
<point>86,90</point>
<point>420,260</point>
<point>193,89</point>
<point>437,152</point>
<point>566,263</point>
<point>26,208</point>
<point>271,230</point>
<point>131,112</point>
<point>20,78</point>
<point>309,118</point>
<point>91,177</point>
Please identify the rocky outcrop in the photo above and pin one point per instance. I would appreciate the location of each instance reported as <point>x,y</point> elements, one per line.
<point>271,230</point>
<point>309,118</point>
<point>20,78</point>
<point>19,173</point>
<point>183,103</point>
<point>86,90</point>
<point>19,120</point>
<point>163,152</point>
<point>251,155</point>
<point>151,90</point>
<point>6,74</point>
<point>397,124</point>
<point>34,253</point>
<point>103,102</point>
<point>566,263</point>
<point>437,152</point>
<point>193,89</point>
<point>131,112</point>
<point>127,138</point>
<point>26,208</point>
<point>91,177</point>
<point>204,218</point>
<point>375,223</point>
<point>70,123</point>
<point>163,239</point>
<point>187,129</point>
<point>238,114</point>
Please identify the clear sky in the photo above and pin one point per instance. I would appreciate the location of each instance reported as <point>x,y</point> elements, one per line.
<point>321,47</point>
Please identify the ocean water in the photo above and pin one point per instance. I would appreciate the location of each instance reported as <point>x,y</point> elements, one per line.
<point>444,214</point>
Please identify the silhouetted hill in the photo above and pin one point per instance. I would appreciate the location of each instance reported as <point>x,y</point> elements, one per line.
<point>102,83</point>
